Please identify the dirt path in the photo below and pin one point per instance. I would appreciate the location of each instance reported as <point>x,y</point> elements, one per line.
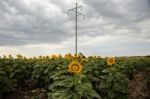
<point>138,86</point>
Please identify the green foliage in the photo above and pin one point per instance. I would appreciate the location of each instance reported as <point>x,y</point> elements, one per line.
<point>96,81</point>
<point>71,87</point>
<point>113,84</point>
<point>43,71</point>
<point>6,83</point>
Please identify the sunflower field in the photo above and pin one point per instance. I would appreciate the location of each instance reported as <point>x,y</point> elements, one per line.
<point>74,77</point>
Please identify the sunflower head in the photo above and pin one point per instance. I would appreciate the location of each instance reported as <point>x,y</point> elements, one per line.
<point>19,56</point>
<point>111,60</point>
<point>59,56</point>
<point>68,56</point>
<point>75,55</point>
<point>53,56</point>
<point>9,56</point>
<point>47,57</point>
<point>75,67</point>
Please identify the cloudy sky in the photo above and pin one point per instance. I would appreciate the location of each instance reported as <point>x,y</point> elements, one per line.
<point>43,27</point>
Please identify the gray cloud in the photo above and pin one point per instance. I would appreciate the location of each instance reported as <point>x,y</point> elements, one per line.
<point>34,21</point>
<point>131,10</point>
<point>26,22</point>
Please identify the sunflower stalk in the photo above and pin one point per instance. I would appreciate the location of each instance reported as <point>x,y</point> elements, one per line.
<point>75,79</point>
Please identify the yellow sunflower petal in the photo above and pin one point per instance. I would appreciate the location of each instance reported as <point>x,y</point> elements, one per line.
<point>111,60</point>
<point>75,67</point>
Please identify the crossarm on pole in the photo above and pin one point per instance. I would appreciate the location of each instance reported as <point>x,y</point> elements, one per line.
<point>75,8</point>
<point>78,13</point>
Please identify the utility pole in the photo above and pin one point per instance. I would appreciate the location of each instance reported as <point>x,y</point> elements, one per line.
<point>76,24</point>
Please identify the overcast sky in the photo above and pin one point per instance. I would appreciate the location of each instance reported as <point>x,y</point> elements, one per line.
<point>43,27</point>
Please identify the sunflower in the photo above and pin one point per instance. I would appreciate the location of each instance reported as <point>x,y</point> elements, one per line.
<point>59,56</point>
<point>53,56</point>
<point>68,56</point>
<point>75,67</point>
<point>9,56</point>
<point>47,57</point>
<point>111,60</point>
<point>19,56</point>
<point>75,55</point>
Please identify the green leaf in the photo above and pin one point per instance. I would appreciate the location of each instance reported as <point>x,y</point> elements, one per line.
<point>109,78</point>
<point>46,71</point>
<point>120,87</point>
<point>104,84</point>
<point>12,75</point>
<point>111,94</point>
<point>76,96</point>
<point>64,83</point>
<point>2,72</point>
<point>105,71</point>
<point>86,88</point>
<point>65,95</point>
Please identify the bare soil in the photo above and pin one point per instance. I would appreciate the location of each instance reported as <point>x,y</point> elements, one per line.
<point>139,87</point>
<point>26,92</point>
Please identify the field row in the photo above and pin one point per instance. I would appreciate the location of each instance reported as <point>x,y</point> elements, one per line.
<point>71,77</point>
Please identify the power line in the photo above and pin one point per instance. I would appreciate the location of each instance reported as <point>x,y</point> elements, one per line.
<point>76,23</point>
